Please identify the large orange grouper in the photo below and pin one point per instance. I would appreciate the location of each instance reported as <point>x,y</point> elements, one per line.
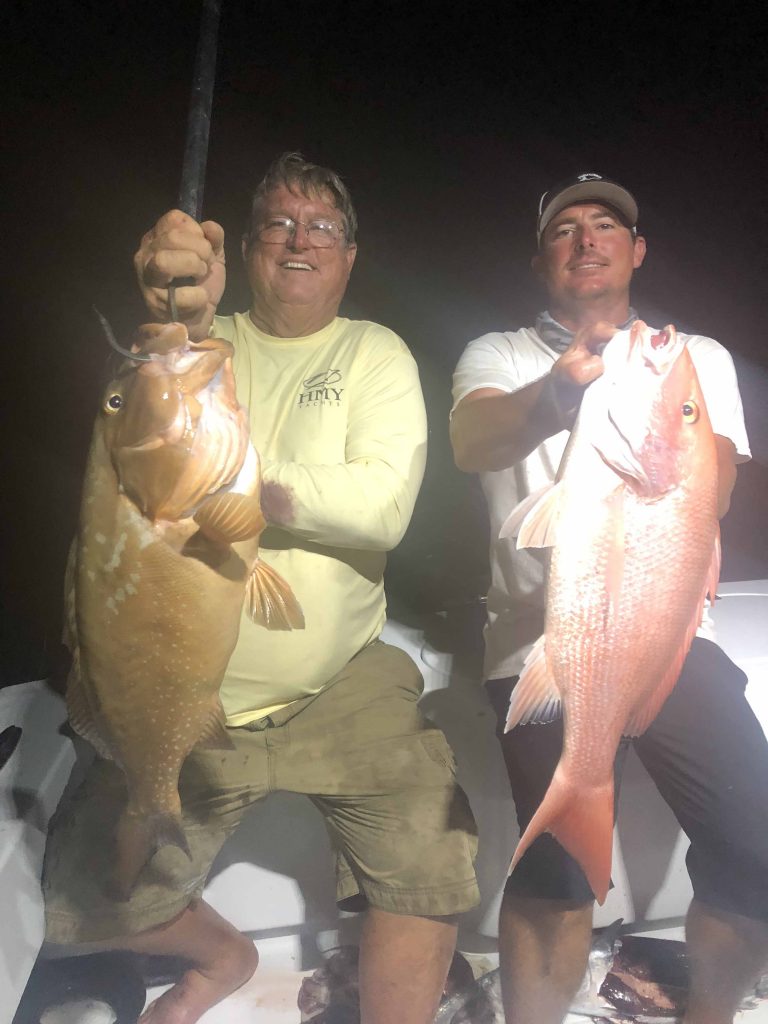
<point>166,554</point>
<point>632,523</point>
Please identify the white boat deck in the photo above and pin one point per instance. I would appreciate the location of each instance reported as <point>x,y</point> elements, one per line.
<point>274,879</point>
<point>270,996</point>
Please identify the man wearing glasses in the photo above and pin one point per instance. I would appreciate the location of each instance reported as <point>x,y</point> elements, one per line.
<point>516,395</point>
<point>337,415</point>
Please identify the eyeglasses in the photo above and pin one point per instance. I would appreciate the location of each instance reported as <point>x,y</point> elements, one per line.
<point>321,234</point>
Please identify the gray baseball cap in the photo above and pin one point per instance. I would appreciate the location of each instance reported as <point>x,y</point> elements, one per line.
<point>581,189</point>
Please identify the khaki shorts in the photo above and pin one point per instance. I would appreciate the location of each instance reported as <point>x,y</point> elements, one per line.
<point>381,776</point>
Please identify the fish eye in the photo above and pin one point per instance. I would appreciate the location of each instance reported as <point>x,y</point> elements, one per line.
<point>114,402</point>
<point>690,411</point>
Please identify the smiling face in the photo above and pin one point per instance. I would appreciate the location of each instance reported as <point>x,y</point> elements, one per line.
<point>586,261</point>
<point>296,288</point>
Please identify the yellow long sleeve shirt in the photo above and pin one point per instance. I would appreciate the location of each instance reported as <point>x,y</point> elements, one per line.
<point>338,419</point>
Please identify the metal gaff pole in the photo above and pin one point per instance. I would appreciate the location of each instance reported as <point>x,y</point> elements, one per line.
<point>198,127</point>
<point>199,119</point>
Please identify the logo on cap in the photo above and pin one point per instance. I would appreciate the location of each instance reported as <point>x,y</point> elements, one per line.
<point>589,177</point>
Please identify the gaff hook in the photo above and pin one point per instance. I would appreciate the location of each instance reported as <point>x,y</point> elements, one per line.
<point>113,341</point>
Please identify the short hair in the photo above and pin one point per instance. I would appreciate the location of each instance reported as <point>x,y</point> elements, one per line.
<point>298,175</point>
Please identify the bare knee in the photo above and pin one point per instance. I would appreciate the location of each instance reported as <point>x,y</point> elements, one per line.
<point>199,935</point>
<point>234,960</point>
<point>547,929</point>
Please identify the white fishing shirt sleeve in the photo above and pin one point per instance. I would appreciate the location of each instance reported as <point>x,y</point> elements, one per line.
<point>717,377</point>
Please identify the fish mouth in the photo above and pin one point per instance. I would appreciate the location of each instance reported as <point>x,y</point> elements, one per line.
<point>199,452</point>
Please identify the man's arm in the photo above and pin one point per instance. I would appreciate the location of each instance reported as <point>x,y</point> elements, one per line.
<point>367,501</point>
<point>493,429</point>
<point>176,247</point>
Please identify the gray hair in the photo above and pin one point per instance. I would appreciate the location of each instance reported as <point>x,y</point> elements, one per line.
<point>311,180</point>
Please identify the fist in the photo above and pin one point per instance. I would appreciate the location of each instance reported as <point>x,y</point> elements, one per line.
<point>178,247</point>
<point>582,362</point>
<point>579,365</point>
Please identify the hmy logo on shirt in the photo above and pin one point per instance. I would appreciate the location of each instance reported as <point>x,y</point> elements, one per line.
<point>320,389</point>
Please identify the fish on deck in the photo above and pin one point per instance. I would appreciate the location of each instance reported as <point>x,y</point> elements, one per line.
<point>632,523</point>
<point>167,550</point>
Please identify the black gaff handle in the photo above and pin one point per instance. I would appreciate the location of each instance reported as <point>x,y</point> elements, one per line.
<point>198,129</point>
<point>199,119</point>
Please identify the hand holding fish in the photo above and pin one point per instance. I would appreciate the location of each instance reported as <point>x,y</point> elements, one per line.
<point>632,523</point>
<point>178,247</point>
<point>579,365</point>
<point>492,429</point>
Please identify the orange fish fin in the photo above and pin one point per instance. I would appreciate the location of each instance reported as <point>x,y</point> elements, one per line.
<point>512,523</point>
<point>80,715</point>
<point>536,697</point>
<point>214,735</point>
<point>139,837</point>
<point>581,819</point>
<point>643,716</point>
<point>227,518</point>
<point>539,528</point>
<point>270,601</point>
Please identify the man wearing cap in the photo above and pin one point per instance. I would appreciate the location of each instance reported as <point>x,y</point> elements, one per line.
<point>516,395</point>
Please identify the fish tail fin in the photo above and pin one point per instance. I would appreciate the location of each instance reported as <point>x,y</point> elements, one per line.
<point>581,819</point>
<point>270,600</point>
<point>139,837</point>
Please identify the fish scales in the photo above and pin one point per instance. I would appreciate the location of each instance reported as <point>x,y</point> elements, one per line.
<point>632,521</point>
<point>166,553</point>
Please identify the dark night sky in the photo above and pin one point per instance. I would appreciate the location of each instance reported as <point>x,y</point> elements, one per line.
<point>447,121</point>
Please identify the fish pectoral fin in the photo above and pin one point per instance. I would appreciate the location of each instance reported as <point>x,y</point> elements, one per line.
<point>512,523</point>
<point>214,735</point>
<point>270,601</point>
<point>80,715</point>
<point>226,518</point>
<point>536,697</point>
<point>539,527</point>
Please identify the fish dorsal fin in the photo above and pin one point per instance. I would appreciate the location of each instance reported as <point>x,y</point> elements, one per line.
<point>231,517</point>
<point>270,601</point>
<point>644,715</point>
<point>214,735</point>
<point>80,715</point>
<point>536,697</point>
